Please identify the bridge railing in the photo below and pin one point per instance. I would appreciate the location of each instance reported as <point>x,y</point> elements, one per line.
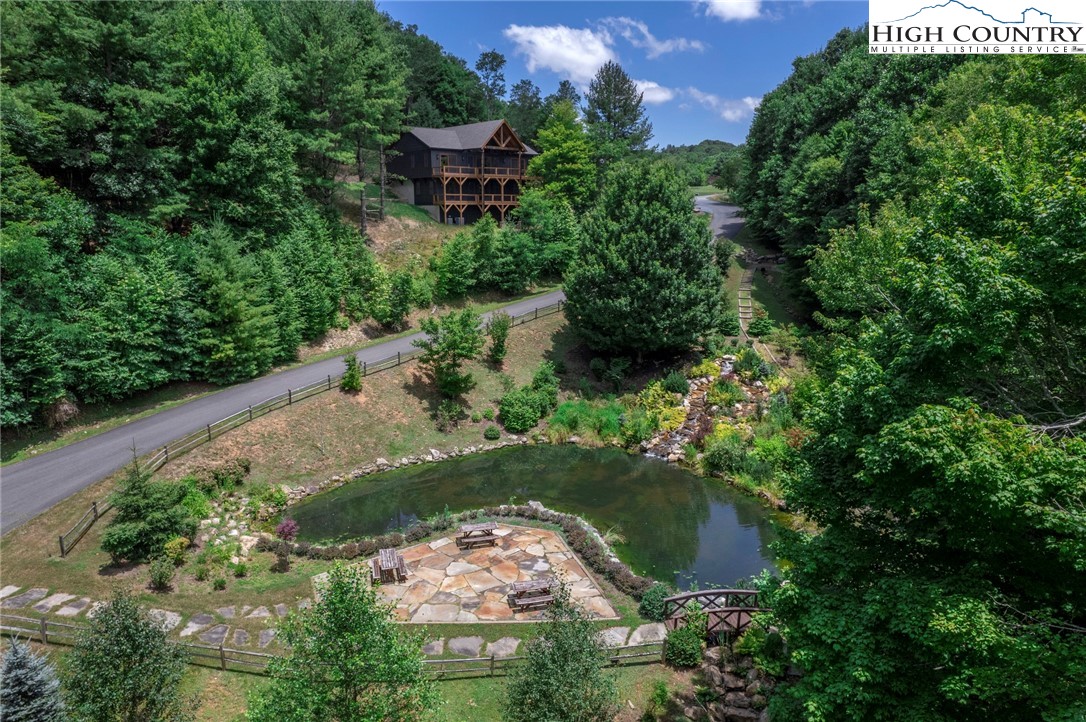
<point>728,610</point>
<point>291,396</point>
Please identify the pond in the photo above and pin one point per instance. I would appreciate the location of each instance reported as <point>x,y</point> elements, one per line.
<point>677,526</point>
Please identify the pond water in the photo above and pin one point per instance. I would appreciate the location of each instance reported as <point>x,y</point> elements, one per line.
<point>678,527</point>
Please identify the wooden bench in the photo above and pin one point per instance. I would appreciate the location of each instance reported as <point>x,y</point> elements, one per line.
<point>388,567</point>
<point>535,593</point>
<point>473,535</point>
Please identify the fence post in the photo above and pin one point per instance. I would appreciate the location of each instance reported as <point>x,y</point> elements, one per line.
<point>663,652</point>
<point>44,631</point>
<point>222,656</point>
<point>94,507</point>
<point>491,664</point>
<point>250,412</point>
<point>363,368</point>
<point>290,397</point>
<point>209,432</point>
<point>398,361</point>
<point>329,382</point>
<point>166,451</point>
<point>62,550</point>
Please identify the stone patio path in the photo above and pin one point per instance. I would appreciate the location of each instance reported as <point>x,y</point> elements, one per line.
<point>448,584</point>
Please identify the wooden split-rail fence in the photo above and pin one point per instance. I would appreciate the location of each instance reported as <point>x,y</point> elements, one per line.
<point>47,631</point>
<point>291,396</point>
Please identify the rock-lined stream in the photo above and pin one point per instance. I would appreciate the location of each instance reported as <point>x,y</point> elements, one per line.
<point>678,527</point>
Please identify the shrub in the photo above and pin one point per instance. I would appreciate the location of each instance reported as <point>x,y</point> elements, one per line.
<point>603,420</point>
<point>498,330</point>
<point>352,376</point>
<point>175,548</point>
<point>162,570</point>
<point>282,558</point>
<point>760,327</point>
<point>195,500</point>
<point>148,514</point>
<point>265,544</point>
<point>598,367</point>
<point>488,413</point>
<point>676,383</point>
<point>749,364</point>
<point>219,584</point>
<point>617,371</point>
<point>241,570</point>
<point>686,644</point>
<point>201,573</point>
<point>491,433</point>
<point>449,414</point>
<point>301,549</point>
<point>725,392</point>
<point>637,427</point>
<point>707,367</point>
<point>349,551</point>
<point>287,530</point>
<point>476,417</point>
<point>652,602</point>
<point>519,410</point>
<point>729,324</point>
<point>725,453</point>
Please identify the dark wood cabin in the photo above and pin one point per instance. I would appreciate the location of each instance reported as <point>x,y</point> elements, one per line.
<point>462,172</point>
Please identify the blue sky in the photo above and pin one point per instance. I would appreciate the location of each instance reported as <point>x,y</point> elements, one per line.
<point>704,64</point>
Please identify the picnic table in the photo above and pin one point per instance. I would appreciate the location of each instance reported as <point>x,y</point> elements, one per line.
<point>472,535</point>
<point>535,593</point>
<point>388,567</point>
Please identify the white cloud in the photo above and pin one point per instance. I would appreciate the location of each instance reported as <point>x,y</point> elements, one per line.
<point>654,93</point>
<point>731,110</point>
<point>730,9</point>
<point>574,53</point>
<point>637,34</point>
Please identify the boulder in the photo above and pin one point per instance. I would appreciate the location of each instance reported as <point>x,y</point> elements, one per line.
<point>736,699</point>
<point>732,681</point>
<point>739,714</point>
<point>713,677</point>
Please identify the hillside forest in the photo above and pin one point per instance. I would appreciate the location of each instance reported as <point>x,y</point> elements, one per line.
<point>174,176</point>
<point>933,211</point>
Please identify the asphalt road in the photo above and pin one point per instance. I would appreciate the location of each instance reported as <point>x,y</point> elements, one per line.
<point>32,486</point>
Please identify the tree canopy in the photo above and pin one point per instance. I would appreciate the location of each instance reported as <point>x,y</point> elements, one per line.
<point>644,279</point>
<point>615,115</point>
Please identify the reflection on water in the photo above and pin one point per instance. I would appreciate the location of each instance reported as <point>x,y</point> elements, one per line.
<point>677,526</point>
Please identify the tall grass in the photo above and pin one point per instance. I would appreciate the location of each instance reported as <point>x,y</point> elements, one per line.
<point>593,421</point>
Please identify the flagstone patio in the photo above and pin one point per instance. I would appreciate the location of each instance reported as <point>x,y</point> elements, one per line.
<point>448,584</point>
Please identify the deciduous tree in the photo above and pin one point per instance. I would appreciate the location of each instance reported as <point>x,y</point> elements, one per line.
<point>451,340</point>
<point>348,661</point>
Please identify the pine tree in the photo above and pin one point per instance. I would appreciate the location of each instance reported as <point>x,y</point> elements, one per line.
<point>451,340</point>
<point>615,115</point>
<point>644,280</point>
<point>30,691</point>
<point>490,68</point>
<point>525,110</point>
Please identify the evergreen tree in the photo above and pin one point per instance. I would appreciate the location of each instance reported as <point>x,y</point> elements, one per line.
<point>497,328</point>
<point>564,165</point>
<point>30,691</point>
<point>235,158</point>
<point>644,280</point>
<point>124,668</point>
<point>455,267</point>
<point>525,110</point>
<point>237,326</point>
<point>450,340</point>
<point>615,115</point>
<point>552,227</point>
<point>148,514</point>
<point>348,660</point>
<point>490,66</point>
<point>566,91</point>
<point>562,678</point>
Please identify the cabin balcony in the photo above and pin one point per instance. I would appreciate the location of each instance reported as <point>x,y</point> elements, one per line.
<point>472,171</point>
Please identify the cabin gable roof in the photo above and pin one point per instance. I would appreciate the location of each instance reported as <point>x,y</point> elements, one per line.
<point>495,134</point>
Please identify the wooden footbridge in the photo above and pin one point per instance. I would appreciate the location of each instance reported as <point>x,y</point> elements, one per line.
<point>730,611</point>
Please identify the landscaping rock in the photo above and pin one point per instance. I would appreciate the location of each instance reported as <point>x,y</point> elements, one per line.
<point>713,677</point>
<point>225,612</point>
<point>196,623</point>
<point>733,681</point>
<point>648,633</point>
<point>28,597</point>
<point>740,714</point>
<point>46,605</point>
<point>504,647</point>
<point>614,637</point>
<point>434,649</point>
<point>166,619</point>
<point>736,699</point>
<point>71,609</point>
<point>266,637</point>
<point>260,612</point>
<point>8,590</point>
<point>282,610</point>
<point>216,635</point>
<point>241,638</point>
<point>466,646</point>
